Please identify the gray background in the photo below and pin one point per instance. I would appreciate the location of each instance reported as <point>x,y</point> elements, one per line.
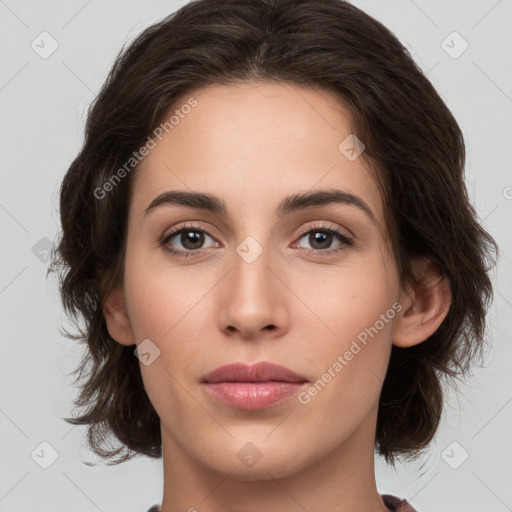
<point>43,101</point>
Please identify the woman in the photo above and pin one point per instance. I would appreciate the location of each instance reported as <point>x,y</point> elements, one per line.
<point>268,372</point>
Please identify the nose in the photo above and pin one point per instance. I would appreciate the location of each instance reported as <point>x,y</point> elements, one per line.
<point>253,298</point>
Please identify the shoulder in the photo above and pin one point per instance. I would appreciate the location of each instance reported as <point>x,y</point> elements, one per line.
<point>396,504</point>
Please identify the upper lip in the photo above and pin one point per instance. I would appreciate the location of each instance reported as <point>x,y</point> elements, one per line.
<point>259,372</point>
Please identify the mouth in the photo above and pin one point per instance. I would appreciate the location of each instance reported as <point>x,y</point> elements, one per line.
<point>256,386</point>
<point>259,372</point>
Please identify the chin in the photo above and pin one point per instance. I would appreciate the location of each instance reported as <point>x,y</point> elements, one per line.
<point>268,470</point>
<point>258,460</point>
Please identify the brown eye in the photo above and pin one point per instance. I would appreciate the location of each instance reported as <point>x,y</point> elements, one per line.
<point>185,241</point>
<point>191,239</point>
<point>321,239</point>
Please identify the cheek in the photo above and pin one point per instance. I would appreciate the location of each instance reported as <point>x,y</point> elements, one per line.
<point>159,297</point>
<point>161,309</point>
<point>170,307</point>
<point>346,300</point>
<point>356,315</point>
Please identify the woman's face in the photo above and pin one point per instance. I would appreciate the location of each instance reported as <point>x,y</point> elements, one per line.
<point>260,283</point>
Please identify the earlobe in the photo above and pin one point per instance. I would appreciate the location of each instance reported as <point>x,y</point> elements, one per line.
<point>424,307</point>
<point>117,319</point>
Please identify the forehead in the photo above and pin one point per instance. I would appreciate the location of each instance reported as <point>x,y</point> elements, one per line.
<point>254,143</point>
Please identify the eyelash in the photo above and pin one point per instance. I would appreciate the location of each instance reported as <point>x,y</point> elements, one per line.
<point>346,241</point>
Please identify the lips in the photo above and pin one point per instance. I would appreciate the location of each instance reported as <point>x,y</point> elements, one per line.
<point>257,386</point>
<point>259,372</point>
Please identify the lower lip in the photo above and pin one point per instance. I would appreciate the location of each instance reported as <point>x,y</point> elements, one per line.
<point>252,395</point>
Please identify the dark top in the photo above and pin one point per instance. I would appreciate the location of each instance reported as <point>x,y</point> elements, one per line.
<point>394,503</point>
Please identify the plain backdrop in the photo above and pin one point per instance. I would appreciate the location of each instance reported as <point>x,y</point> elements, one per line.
<point>42,110</point>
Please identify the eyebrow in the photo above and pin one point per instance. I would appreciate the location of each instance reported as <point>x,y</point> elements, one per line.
<point>294,202</point>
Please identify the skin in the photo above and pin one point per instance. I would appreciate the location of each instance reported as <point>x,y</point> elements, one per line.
<point>251,145</point>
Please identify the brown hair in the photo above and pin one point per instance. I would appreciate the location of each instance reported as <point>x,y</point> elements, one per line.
<point>414,148</point>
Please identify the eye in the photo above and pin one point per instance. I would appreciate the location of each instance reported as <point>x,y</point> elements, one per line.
<point>188,239</point>
<point>321,237</point>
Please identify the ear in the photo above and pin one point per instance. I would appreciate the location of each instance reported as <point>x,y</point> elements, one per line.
<point>425,305</point>
<point>117,319</point>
